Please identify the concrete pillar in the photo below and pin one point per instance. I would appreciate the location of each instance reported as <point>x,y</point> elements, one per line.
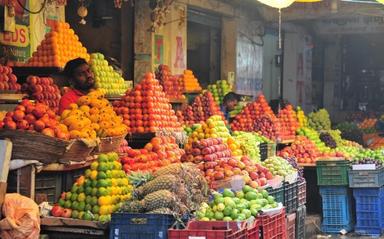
<point>228,46</point>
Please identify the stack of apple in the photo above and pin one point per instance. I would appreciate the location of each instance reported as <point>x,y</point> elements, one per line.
<point>43,90</point>
<point>314,136</point>
<point>302,149</point>
<point>219,90</point>
<point>8,81</point>
<point>106,78</point>
<point>215,159</point>
<point>35,117</point>
<point>172,85</point>
<point>245,121</point>
<point>203,107</point>
<point>191,84</point>
<point>159,152</point>
<point>146,108</point>
<point>288,121</point>
<point>270,127</point>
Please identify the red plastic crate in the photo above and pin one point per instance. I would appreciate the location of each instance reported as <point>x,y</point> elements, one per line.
<point>211,230</point>
<point>254,230</point>
<point>273,226</point>
<point>302,193</point>
<point>291,226</point>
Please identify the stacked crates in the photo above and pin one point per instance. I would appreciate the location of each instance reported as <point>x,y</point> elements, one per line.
<point>332,177</point>
<point>368,192</point>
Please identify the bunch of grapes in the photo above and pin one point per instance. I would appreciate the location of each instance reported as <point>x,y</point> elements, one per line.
<point>328,140</point>
<point>319,120</point>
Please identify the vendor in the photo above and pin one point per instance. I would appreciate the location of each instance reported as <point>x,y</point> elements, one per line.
<point>81,79</point>
<point>230,100</point>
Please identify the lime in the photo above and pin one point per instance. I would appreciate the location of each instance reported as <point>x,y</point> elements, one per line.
<point>81,215</point>
<point>250,196</point>
<point>240,194</point>
<point>247,213</point>
<point>101,175</point>
<point>227,211</point>
<point>88,199</point>
<point>95,209</point>
<point>74,197</point>
<point>219,215</point>
<point>75,205</point>
<point>74,188</point>
<point>81,206</point>
<point>94,183</point>
<point>87,183</point>
<point>227,219</point>
<point>94,165</point>
<point>87,173</point>
<point>88,190</point>
<point>103,158</point>
<point>94,201</point>
<point>209,214</point>
<point>109,174</point>
<point>228,193</point>
<point>87,216</point>
<point>75,214</point>
<point>81,197</point>
<point>94,191</point>
<point>80,189</point>
<point>247,188</point>
<point>102,183</point>
<point>113,156</point>
<point>68,204</point>
<point>61,202</point>
<point>68,195</point>
<point>102,191</point>
<point>95,216</point>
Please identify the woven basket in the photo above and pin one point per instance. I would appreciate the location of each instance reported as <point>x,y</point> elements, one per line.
<point>110,144</point>
<point>78,150</point>
<point>35,146</point>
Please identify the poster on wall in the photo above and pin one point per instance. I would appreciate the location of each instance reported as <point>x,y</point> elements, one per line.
<point>15,46</point>
<point>159,49</point>
<point>249,67</point>
<point>30,29</point>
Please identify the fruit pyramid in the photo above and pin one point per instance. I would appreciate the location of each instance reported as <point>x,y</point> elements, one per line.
<point>92,116</point>
<point>43,90</point>
<point>173,85</point>
<point>319,120</point>
<point>58,47</point>
<point>107,79</point>
<point>288,121</point>
<point>203,107</point>
<point>191,83</point>
<point>303,120</point>
<point>8,80</point>
<point>99,192</point>
<point>219,90</point>
<point>214,127</point>
<point>245,120</point>
<point>147,109</point>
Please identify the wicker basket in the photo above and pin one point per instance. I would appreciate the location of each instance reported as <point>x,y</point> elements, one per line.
<point>78,150</point>
<point>110,144</point>
<point>35,146</point>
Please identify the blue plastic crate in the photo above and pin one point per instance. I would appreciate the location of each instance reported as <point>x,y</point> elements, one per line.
<point>337,206</point>
<point>140,226</point>
<point>369,211</point>
<point>366,178</point>
<point>335,229</point>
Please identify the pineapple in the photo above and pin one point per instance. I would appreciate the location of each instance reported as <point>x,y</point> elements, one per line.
<point>162,210</point>
<point>167,182</point>
<point>139,178</point>
<point>159,199</point>
<point>174,169</point>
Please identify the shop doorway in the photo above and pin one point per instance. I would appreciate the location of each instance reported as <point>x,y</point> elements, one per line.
<point>204,46</point>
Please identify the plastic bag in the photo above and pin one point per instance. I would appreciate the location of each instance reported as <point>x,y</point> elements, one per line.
<point>22,219</point>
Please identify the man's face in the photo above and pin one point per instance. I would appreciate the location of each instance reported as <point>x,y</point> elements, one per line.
<point>231,105</point>
<point>83,78</point>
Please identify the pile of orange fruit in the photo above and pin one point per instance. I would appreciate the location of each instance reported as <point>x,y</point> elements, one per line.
<point>58,47</point>
<point>92,116</point>
<point>190,82</point>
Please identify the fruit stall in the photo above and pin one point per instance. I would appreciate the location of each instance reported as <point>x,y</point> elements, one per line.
<point>123,161</point>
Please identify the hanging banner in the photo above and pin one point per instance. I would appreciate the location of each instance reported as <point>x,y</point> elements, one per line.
<point>30,29</point>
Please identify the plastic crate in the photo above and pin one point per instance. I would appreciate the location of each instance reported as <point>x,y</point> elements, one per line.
<point>366,178</point>
<point>291,226</point>
<point>301,193</point>
<point>300,222</point>
<point>369,211</point>
<point>263,151</point>
<point>277,193</point>
<point>273,226</point>
<point>337,206</point>
<point>211,230</point>
<point>254,230</point>
<point>290,197</point>
<point>140,226</point>
<point>332,172</point>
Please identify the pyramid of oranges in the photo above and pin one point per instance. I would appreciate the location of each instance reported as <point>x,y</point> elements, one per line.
<point>58,47</point>
<point>146,108</point>
<point>191,83</point>
<point>92,116</point>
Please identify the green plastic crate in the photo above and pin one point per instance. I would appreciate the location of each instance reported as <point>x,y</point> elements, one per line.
<point>332,172</point>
